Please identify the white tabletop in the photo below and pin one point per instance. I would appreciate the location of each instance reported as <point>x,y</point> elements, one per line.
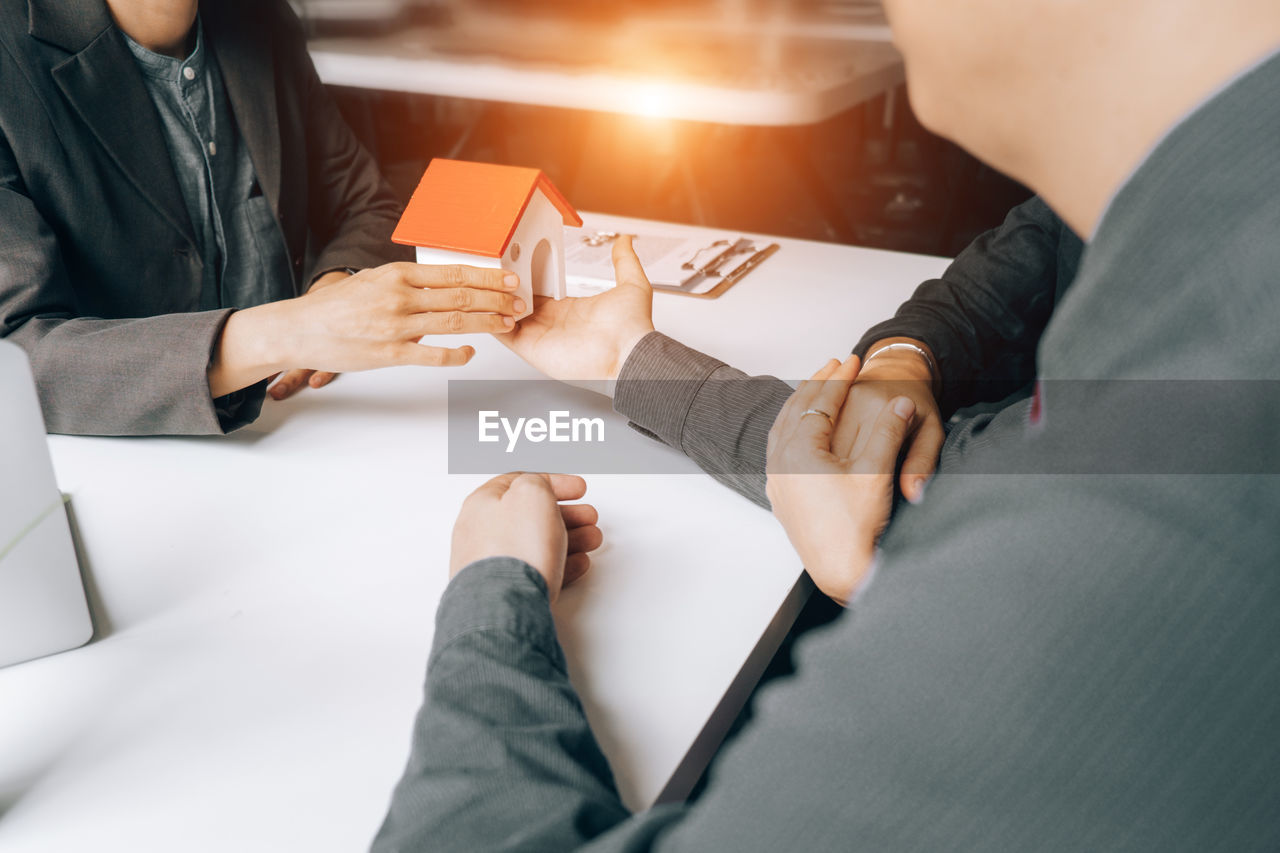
<point>802,76</point>
<point>267,598</point>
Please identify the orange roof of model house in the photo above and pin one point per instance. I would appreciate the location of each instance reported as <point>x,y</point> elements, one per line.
<point>474,207</point>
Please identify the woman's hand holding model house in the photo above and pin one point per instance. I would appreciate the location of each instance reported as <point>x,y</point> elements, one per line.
<point>371,319</point>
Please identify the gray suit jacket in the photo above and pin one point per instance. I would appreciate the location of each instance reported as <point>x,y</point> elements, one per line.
<point>1063,648</point>
<point>98,265</point>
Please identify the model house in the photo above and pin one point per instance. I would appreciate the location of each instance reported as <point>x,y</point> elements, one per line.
<point>491,216</point>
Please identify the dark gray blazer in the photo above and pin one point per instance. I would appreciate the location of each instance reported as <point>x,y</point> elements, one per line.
<point>99,270</point>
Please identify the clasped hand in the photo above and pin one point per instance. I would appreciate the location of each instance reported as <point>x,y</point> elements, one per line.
<point>834,502</point>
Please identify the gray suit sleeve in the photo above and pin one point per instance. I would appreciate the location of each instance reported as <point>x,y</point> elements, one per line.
<point>718,416</point>
<point>502,757</point>
<point>102,377</point>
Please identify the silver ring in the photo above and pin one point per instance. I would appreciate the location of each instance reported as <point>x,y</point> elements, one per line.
<point>830,419</point>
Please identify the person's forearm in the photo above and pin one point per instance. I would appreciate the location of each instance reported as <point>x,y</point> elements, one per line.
<point>502,755</point>
<point>250,348</point>
<point>716,415</point>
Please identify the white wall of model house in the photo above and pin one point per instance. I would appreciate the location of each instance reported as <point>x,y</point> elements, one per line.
<point>535,253</point>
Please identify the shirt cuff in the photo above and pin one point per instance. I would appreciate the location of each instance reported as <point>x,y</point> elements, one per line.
<point>498,594</point>
<point>658,384</point>
<point>241,408</point>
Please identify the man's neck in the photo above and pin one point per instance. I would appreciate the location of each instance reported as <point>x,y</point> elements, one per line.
<point>1085,155</point>
<point>162,26</point>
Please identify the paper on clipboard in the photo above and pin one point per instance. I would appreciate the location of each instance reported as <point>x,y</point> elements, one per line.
<point>677,264</point>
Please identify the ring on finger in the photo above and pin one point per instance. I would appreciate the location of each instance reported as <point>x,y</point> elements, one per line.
<point>826,415</point>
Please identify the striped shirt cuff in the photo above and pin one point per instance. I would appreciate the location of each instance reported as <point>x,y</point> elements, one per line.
<point>659,383</point>
<point>498,594</point>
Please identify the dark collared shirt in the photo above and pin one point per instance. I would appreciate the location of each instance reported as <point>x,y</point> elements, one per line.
<point>245,260</point>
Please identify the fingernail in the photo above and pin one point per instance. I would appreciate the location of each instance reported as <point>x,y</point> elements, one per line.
<point>511,281</point>
<point>904,408</point>
<point>917,490</point>
<point>519,305</point>
<point>509,322</point>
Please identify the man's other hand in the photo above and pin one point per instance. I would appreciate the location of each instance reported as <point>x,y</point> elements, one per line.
<point>523,516</point>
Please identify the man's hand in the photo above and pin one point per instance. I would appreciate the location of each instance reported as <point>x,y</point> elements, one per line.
<point>589,338</point>
<point>369,320</point>
<point>890,374</point>
<point>834,507</point>
<point>520,515</point>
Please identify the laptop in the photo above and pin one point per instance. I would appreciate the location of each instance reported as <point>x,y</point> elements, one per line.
<point>42,601</point>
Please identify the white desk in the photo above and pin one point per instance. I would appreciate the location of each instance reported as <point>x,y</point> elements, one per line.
<point>805,86</point>
<point>268,598</point>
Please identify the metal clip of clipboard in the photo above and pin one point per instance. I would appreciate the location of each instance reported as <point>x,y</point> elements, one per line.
<point>711,269</point>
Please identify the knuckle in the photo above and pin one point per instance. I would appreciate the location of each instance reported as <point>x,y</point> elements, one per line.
<point>454,321</point>
<point>455,274</point>
<point>463,298</point>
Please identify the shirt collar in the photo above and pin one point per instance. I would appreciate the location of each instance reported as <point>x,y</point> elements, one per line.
<point>167,69</point>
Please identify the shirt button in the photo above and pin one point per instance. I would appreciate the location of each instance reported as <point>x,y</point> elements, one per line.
<point>189,73</point>
<point>213,149</point>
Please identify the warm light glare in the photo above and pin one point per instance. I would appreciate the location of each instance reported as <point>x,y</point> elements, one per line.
<point>652,102</point>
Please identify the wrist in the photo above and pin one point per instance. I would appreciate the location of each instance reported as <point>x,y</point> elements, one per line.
<point>899,359</point>
<point>628,343</point>
<point>249,349</point>
<point>331,277</point>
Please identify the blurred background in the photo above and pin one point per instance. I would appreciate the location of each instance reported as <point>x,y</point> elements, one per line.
<point>786,117</point>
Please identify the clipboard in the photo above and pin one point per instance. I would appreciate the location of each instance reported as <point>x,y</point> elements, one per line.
<point>675,264</point>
